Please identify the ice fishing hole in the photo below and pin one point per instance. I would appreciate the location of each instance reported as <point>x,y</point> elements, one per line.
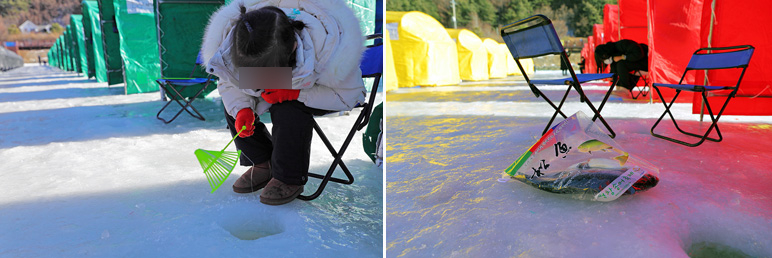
<point>713,250</point>
<point>252,228</point>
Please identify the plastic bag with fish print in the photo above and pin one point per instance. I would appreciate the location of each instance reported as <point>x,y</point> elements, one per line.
<point>575,157</point>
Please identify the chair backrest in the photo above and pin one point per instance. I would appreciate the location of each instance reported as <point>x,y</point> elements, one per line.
<point>371,66</point>
<point>198,63</point>
<point>199,60</point>
<point>532,37</point>
<point>372,61</point>
<point>721,58</point>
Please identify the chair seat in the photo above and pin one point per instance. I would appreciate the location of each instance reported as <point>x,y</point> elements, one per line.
<point>692,87</point>
<point>186,87</point>
<point>584,77</point>
<point>183,81</point>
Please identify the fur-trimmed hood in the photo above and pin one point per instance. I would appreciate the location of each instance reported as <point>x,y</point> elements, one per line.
<point>334,28</point>
<point>329,51</point>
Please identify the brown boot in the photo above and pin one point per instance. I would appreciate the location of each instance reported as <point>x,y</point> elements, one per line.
<point>254,179</point>
<point>278,193</point>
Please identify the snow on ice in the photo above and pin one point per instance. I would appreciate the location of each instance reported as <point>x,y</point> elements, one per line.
<point>447,148</point>
<point>88,171</point>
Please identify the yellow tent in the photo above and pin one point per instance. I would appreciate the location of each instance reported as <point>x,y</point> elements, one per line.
<point>527,66</point>
<point>472,56</point>
<point>389,73</point>
<point>512,68</point>
<point>424,53</point>
<point>497,59</point>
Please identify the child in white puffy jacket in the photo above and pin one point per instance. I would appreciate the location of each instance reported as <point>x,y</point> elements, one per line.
<point>323,48</point>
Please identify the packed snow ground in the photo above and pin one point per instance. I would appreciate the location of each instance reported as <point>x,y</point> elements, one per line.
<point>447,148</point>
<point>88,171</point>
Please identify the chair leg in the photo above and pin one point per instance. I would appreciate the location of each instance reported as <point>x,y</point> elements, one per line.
<point>603,103</point>
<point>338,161</point>
<point>596,112</point>
<point>188,103</point>
<point>714,122</point>
<point>641,91</point>
<point>557,108</point>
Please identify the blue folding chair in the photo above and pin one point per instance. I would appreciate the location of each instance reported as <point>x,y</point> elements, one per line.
<point>372,67</point>
<point>185,90</point>
<point>735,57</point>
<point>535,36</point>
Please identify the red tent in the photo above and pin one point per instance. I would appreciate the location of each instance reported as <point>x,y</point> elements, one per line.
<point>679,27</point>
<point>600,38</point>
<point>739,23</point>
<point>632,20</point>
<point>589,63</point>
<point>586,55</point>
<point>598,33</point>
<point>611,22</point>
<point>674,34</point>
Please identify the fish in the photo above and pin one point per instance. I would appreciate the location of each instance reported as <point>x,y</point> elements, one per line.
<point>586,181</point>
<point>596,145</point>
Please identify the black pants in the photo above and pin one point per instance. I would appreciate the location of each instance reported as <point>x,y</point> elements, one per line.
<point>623,68</point>
<point>289,149</point>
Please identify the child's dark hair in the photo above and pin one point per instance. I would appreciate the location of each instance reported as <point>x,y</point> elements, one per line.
<point>264,38</point>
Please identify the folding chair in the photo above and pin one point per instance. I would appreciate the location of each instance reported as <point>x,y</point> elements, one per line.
<point>535,36</point>
<point>643,90</point>
<point>372,67</point>
<point>706,59</point>
<point>185,89</point>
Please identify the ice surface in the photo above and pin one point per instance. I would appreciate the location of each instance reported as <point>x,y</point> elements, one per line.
<point>448,146</point>
<point>88,171</point>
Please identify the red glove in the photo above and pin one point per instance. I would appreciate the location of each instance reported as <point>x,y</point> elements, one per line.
<point>274,96</point>
<point>245,117</point>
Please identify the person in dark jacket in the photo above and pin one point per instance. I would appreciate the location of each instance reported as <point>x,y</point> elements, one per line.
<point>624,57</point>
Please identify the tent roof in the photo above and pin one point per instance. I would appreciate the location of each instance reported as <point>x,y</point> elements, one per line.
<point>419,24</point>
<point>465,38</point>
<point>491,45</point>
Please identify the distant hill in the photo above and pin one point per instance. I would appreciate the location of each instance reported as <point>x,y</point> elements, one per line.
<point>15,12</point>
<point>570,17</point>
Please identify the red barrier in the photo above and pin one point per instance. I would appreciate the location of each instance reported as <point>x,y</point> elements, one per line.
<point>738,23</point>
<point>633,20</point>
<point>611,22</point>
<point>599,34</point>
<point>590,66</point>
<point>674,34</point>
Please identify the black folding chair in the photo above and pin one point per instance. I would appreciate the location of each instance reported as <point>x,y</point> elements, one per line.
<point>643,90</point>
<point>734,57</point>
<point>184,90</point>
<point>535,36</point>
<point>372,67</point>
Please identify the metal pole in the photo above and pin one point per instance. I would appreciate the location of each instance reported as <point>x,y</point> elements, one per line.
<point>453,2</point>
<point>710,38</point>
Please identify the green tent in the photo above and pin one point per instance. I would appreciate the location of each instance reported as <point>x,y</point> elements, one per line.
<point>138,45</point>
<point>58,52</point>
<point>55,54</point>
<point>365,11</point>
<point>72,40</point>
<point>68,49</point>
<point>65,54</point>
<point>111,42</point>
<point>88,44</point>
<point>76,23</point>
<point>91,13</point>
<point>180,42</point>
<point>65,51</point>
